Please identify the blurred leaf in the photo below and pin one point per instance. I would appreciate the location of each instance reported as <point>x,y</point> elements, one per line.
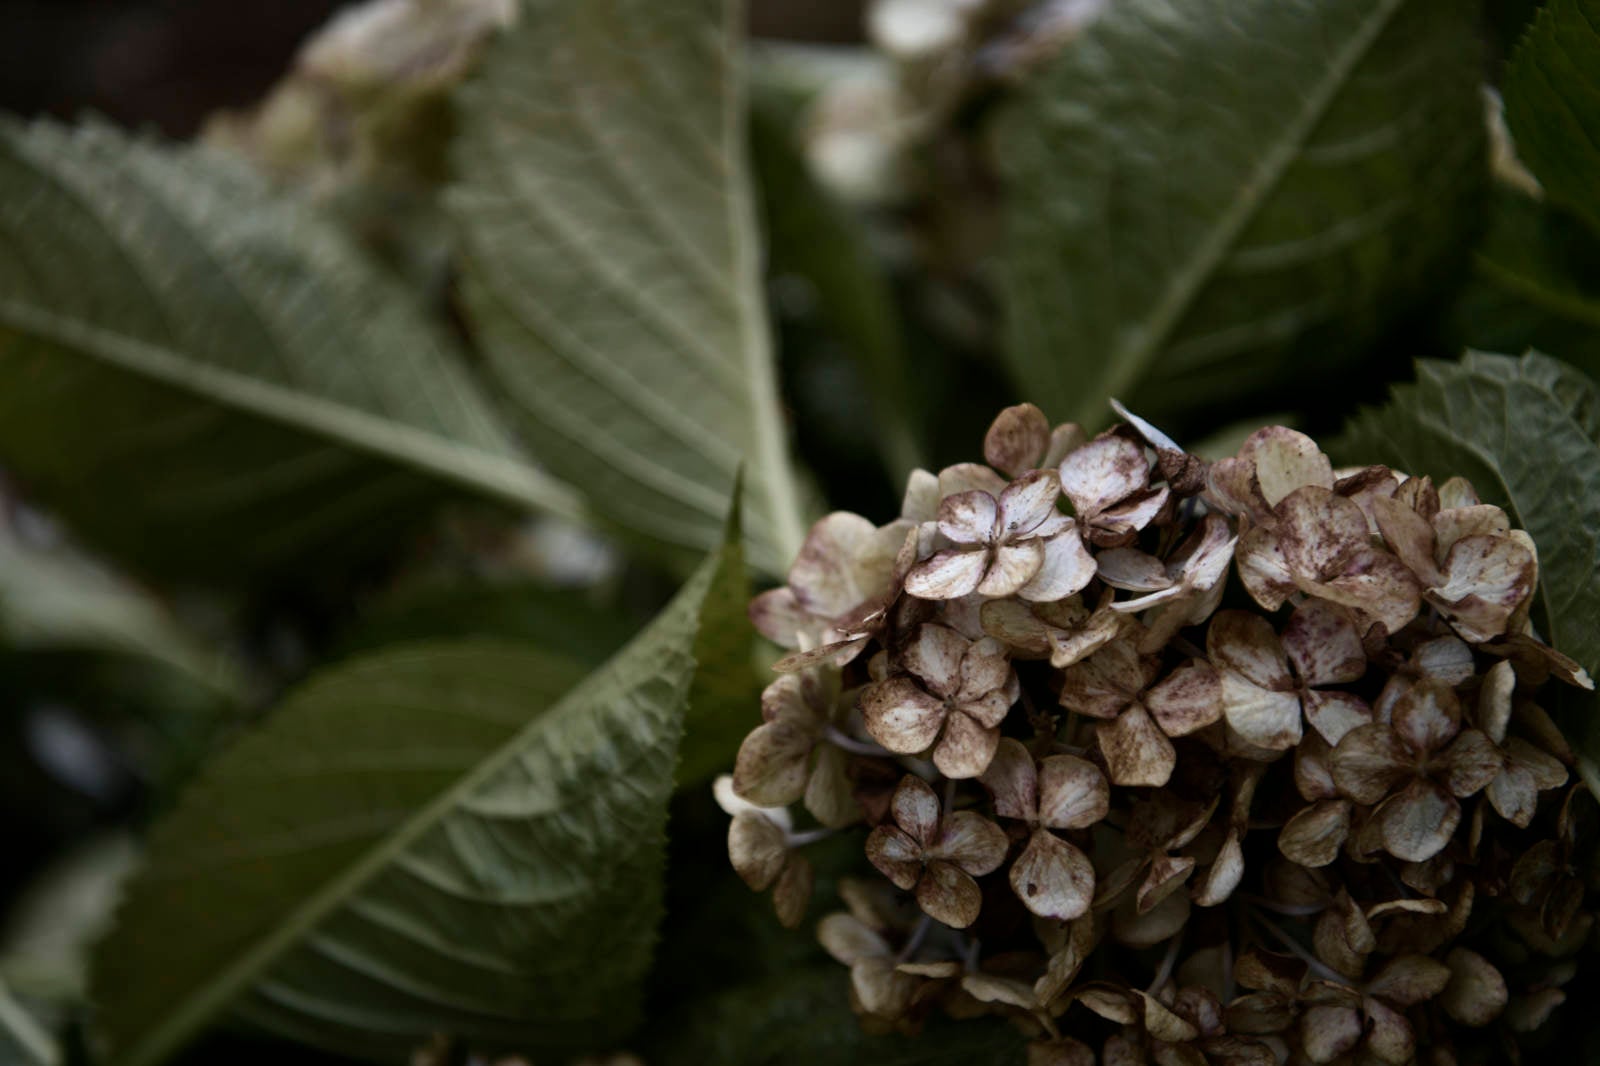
<point>725,695</point>
<point>248,387</point>
<point>44,947</point>
<point>803,1016</point>
<point>813,237</point>
<point>612,269</point>
<point>1207,200</point>
<point>1536,284</point>
<point>54,599</point>
<point>24,1039</point>
<point>411,845</point>
<point>1526,432</point>
<point>1552,94</point>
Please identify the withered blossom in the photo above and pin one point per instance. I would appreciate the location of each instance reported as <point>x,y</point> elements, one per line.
<point>1053,878</point>
<point>936,854</point>
<point>789,758</point>
<point>1108,482</point>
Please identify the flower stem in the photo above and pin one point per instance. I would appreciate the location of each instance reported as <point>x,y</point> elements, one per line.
<point>1318,967</point>
<point>845,742</point>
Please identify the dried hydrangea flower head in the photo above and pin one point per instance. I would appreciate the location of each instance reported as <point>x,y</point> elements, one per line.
<point>1174,761</point>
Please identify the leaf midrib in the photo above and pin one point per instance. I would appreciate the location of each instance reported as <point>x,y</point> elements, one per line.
<point>1129,359</point>
<point>511,481</point>
<point>198,1007</point>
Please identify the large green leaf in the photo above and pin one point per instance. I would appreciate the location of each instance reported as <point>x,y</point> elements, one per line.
<point>1552,93</point>
<point>1207,198</point>
<point>612,264</point>
<point>206,377</point>
<point>1526,432</point>
<point>418,842</point>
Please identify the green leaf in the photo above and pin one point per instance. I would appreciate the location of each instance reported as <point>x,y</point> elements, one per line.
<point>1536,284</point>
<point>1206,199</point>
<point>1526,433</point>
<point>726,687</point>
<point>418,842</point>
<point>245,385</point>
<point>612,268</point>
<point>1552,94</point>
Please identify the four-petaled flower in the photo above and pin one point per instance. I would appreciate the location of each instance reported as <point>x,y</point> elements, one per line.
<point>1118,685</point>
<point>786,758</point>
<point>937,857</point>
<point>1052,877</point>
<point>958,693</point>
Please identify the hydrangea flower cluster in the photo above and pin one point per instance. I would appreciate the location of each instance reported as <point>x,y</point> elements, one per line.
<point>1172,761</point>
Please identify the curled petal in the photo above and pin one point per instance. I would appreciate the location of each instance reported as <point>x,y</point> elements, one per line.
<point>900,716</point>
<point>1489,578</point>
<point>1410,536</point>
<point>947,894</point>
<point>1027,502</point>
<point>1390,1037</point>
<point>966,746</point>
<point>1417,822</point>
<point>1494,700</point>
<point>1137,752</point>
<point>1285,460</point>
<point>1135,513</point>
<point>1324,645</point>
<point>1226,871</point>
<point>1017,439</point>
<point>1011,567</point>
<point>1263,568</point>
<point>1066,568</point>
<point>1368,762</point>
<point>1068,648</point>
<point>1314,836</point>
<point>1103,472</point>
<point>837,654</point>
<point>1132,570</point>
<point>934,655</point>
<point>1163,1024</point>
<point>1052,878</point>
<point>1073,793</point>
<point>1167,874</point>
<point>1187,700</point>
<point>1482,519</point>
<point>1013,782</point>
<point>972,842</point>
<point>948,575</point>
<point>1375,583</point>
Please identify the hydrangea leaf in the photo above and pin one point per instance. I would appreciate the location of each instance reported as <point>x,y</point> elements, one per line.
<point>1552,94</point>
<point>612,264</point>
<point>258,392</point>
<point>428,839</point>
<point>1206,200</point>
<point>1526,432</point>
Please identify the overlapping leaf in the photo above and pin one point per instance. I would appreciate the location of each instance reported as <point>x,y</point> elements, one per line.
<point>1552,94</point>
<point>1526,432</point>
<point>1199,195</point>
<point>207,378</point>
<point>612,264</point>
<point>418,842</point>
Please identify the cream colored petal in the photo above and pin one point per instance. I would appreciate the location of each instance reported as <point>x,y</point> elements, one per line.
<point>1375,583</point>
<point>1476,993</point>
<point>920,503</point>
<point>1488,578</point>
<point>972,842</point>
<point>880,989</point>
<point>732,803</point>
<point>1286,460</point>
<point>1017,440</point>
<point>1368,762</point>
<point>915,809</point>
<point>1418,821</point>
<point>1312,775</point>
<point>1068,648</point>
<point>1065,439</point>
<point>1136,512</point>
<point>896,855</point>
<point>1333,714</point>
<point>1066,568</point>
<point>1013,781</point>
<point>1012,566</point>
<point>1226,871</point>
<point>947,894</point>
<point>1103,472</point>
<point>948,575</point>
<point>1263,568</point>
<point>1186,700</point>
<point>1243,642</point>
<point>965,747</point>
<point>778,616</point>
<point>1132,570</point>
<point>1073,793</point>
<point>1137,752</point>
<point>1513,795</point>
<point>1453,523</point>
<point>1410,536</point>
<point>758,849</point>
<point>1315,834</point>
<point>984,668</point>
<point>1318,529</point>
<point>1166,875</point>
<point>900,716</point>
<point>969,518</point>
<point>970,477</point>
<point>848,939</point>
<point>830,796</point>
<point>825,576</point>
<point>988,988</point>
<point>1470,763</point>
<point>1015,625</point>
<point>1052,878</point>
<point>1262,717</point>
<point>1328,1032</point>
<point>771,767</point>
<point>934,654</point>
<point>990,710</point>
<point>1027,502</point>
<point>1494,700</point>
<point>1323,644</point>
<point>1163,1024</point>
<point>1428,716</point>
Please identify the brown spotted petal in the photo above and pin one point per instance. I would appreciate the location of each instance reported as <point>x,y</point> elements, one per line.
<point>1026,503</point>
<point>1052,878</point>
<point>1164,1024</point>
<point>949,574</point>
<point>966,746</point>
<point>1315,834</point>
<point>1136,751</point>
<point>1428,716</point>
<point>1369,762</point>
<point>935,655</point>
<point>845,561</point>
<point>1068,647</point>
<point>1285,460</point>
<point>1106,682</point>
<point>1073,793</point>
<point>896,855</point>
<point>971,842</point>
<point>1410,536</point>
<point>1264,568</point>
<point>1013,781</point>
<point>1102,473</point>
<point>758,848</point>
<point>1417,822</point>
<point>900,716</point>
<point>1390,1038</point>
<point>1187,700</point>
<point>772,766</point>
<point>1514,793</point>
<point>1488,578</point>
<point>1256,688</point>
<point>1409,980</point>
<point>1065,569</point>
<point>1166,875</point>
<point>1471,763</point>
<point>1017,440</point>
<point>947,894</point>
<point>1010,568</point>
<point>1323,645</point>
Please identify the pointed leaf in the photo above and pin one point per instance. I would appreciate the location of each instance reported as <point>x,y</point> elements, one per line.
<point>1552,94</point>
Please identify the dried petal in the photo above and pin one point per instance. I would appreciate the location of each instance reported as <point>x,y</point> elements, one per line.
<point>1323,644</point>
<point>1471,763</point>
<point>1333,714</point>
<point>1286,460</point>
<point>792,893</point>
<point>758,849</point>
<point>1368,762</point>
<point>1137,752</point>
<point>1264,568</point>
<point>1073,793</point>
<point>1243,642</point>
<point>1428,716</point>
<point>1187,700</point>
<point>949,575</point>
<point>1314,836</point>
<point>848,939</point>
<point>934,655</point>
<point>1103,472</point>
<point>1027,502</point>
<point>1409,980</point>
<point>1052,878</point>
<point>1106,682</point>
<point>1489,578</point>
<point>896,855</point>
<point>947,894</point>
<point>1328,1032</point>
<point>829,794</point>
<point>1476,993</point>
<point>1163,1024</point>
<point>1226,871</point>
<point>915,809</point>
<point>1417,822</point>
<point>771,767</point>
<point>1066,569</point>
<point>1017,439</point>
<point>844,562</point>
<point>1013,782</point>
<point>972,842</point>
<point>900,716</point>
<point>966,746</point>
<point>1390,1037</point>
<point>1012,567</point>
<point>1265,718</point>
